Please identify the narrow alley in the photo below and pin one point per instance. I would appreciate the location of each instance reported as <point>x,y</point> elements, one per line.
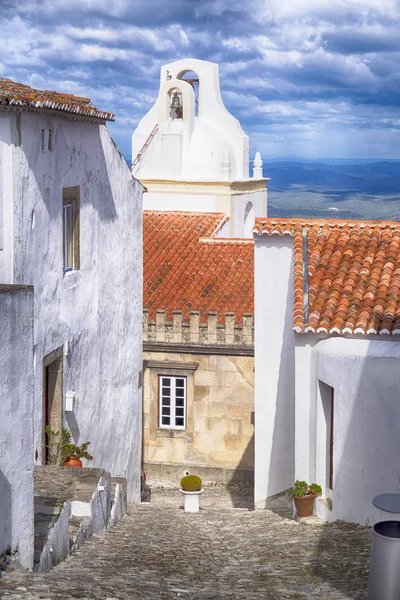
<point>227,551</point>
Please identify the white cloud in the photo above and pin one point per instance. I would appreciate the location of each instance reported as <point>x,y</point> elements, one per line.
<point>294,73</point>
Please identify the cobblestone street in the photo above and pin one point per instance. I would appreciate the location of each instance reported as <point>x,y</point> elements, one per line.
<point>225,552</point>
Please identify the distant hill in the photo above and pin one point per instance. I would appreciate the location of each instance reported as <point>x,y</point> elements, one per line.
<point>336,188</point>
<point>329,161</point>
<point>368,190</point>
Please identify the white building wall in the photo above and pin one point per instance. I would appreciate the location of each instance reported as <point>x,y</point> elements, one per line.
<point>304,409</point>
<point>365,376</point>
<point>16,423</point>
<point>6,201</point>
<point>274,367</point>
<point>245,208</point>
<point>97,309</point>
<point>183,202</point>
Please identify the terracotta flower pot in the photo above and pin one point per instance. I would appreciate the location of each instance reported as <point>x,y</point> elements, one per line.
<point>72,461</point>
<point>304,505</point>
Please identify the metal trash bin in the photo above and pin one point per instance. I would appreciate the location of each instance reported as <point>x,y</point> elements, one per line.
<point>384,572</point>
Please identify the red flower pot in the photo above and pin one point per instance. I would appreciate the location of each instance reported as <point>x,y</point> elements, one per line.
<point>72,461</point>
<point>304,505</point>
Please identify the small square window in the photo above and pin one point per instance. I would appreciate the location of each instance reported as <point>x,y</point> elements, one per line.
<point>172,402</point>
<point>70,220</point>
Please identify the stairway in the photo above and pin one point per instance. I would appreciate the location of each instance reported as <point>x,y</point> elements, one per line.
<point>71,505</point>
<point>144,147</point>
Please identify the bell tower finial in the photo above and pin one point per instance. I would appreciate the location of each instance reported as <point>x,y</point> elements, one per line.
<point>257,166</point>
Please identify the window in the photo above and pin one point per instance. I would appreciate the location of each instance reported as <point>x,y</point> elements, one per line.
<point>172,396</point>
<point>70,229</point>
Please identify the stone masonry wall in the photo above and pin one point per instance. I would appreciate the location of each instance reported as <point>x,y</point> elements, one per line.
<point>218,443</point>
<point>212,332</point>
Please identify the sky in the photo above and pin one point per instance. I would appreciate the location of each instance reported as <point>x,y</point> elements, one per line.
<point>312,78</point>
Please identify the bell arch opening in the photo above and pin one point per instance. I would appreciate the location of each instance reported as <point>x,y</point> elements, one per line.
<point>248,220</point>
<point>192,78</point>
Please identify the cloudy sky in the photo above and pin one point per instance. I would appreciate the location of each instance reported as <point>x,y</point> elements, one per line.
<point>315,78</point>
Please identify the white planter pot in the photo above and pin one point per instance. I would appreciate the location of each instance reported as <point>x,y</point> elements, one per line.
<point>192,500</point>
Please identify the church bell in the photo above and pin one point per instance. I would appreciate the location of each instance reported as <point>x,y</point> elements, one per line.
<point>176,107</point>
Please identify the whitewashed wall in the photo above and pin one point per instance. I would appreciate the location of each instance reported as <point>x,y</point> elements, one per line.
<point>256,205</point>
<point>98,308</point>
<point>16,424</point>
<point>6,201</point>
<point>274,367</point>
<point>365,376</point>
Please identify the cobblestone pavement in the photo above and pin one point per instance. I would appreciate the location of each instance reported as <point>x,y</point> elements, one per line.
<point>224,552</point>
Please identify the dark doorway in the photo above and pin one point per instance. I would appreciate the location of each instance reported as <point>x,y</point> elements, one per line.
<point>52,397</point>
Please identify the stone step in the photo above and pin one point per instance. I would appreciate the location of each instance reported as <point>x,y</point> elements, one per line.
<point>71,505</point>
<point>46,512</point>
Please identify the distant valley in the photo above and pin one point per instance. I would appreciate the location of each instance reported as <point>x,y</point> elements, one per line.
<point>369,190</point>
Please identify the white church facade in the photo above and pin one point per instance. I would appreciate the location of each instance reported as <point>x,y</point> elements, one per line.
<point>70,299</point>
<point>191,154</point>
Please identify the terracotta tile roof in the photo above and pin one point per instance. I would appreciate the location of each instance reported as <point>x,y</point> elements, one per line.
<point>353,274</point>
<point>17,94</point>
<point>186,269</point>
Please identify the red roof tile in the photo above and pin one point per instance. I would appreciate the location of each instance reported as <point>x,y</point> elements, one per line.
<point>186,269</point>
<point>353,274</point>
<point>17,94</point>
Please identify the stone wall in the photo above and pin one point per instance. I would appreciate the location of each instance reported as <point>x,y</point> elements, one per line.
<point>218,442</point>
<point>176,331</point>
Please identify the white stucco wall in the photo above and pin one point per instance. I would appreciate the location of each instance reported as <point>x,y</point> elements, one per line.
<point>16,423</point>
<point>305,391</point>
<point>365,376</point>
<point>97,309</point>
<point>184,202</point>
<point>256,205</point>
<point>6,201</point>
<point>274,367</point>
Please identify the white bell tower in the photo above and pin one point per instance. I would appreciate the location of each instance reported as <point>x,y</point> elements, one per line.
<point>191,154</point>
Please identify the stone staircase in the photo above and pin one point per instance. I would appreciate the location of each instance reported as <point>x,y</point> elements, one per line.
<point>71,505</point>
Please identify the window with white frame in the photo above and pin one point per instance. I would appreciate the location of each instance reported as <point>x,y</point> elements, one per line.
<point>172,402</point>
<point>70,229</point>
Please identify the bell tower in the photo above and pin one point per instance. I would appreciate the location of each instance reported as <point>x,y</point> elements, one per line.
<point>191,154</point>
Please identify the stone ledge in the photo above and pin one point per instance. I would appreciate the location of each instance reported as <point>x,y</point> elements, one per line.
<point>163,472</point>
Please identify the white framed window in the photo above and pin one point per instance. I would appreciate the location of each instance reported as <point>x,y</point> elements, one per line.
<point>172,402</point>
<point>70,220</point>
<point>68,236</point>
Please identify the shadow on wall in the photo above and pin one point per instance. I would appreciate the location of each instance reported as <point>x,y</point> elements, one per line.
<point>366,447</point>
<point>92,175</point>
<point>5,514</point>
<point>282,460</point>
<point>241,485</point>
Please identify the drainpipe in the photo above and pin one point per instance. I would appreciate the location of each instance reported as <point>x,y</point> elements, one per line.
<point>305,275</point>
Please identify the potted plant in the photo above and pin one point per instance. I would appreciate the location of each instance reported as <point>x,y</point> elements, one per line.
<point>304,495</point>
<point>191,490</point>
<point>74,453</point>
<point>61,451</point>
<point>57,443</point>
